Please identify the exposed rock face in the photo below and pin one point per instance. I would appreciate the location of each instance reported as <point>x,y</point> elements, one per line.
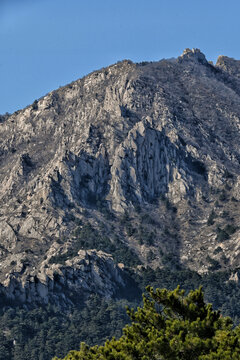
<point>87,272</point>
<point>159,137</point>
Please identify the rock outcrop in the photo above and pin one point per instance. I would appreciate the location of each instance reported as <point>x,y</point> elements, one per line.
<point>90,271</point>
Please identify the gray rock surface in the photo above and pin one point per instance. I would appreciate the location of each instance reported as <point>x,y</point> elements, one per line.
<point>157,141</point>
<point>89,271</point>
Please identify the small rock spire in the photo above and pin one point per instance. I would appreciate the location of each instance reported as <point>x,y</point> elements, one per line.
<point>193,55</point>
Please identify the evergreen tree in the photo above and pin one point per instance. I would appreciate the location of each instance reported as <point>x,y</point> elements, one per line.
<point>170,326</point>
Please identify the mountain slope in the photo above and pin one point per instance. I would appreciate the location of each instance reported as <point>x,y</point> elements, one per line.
<point>140,161</point>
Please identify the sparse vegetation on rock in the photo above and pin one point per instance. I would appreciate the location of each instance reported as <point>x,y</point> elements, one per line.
<point>131,169</point>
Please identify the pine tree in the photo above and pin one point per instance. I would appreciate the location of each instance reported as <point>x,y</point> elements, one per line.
<point>170,326</point>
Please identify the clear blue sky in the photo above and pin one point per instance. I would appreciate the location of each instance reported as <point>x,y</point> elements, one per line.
<point>49,43</point>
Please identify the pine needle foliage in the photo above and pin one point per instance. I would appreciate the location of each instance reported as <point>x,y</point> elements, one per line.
<point>170,326</point>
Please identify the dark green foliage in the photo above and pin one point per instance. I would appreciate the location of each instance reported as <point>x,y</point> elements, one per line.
<point>214,264</point>
<point>130,229</point>
<point>143,63</point>
<point>143,233</point>
<point>217,250</point>
<point>222,235</point>
<point>45,332</point>
<point>4,117</point>
<point>228,175</point>
<point>230,229</point>
<point>225,214</point>
<point>217,287</point>
<point>170,206</point>
<point>61,258</point>
<point>223,196</point>
<point>35,105</point>
<point>102,207</point>
<point>145,236</point>
<point>86,237</point>
<point>211,218</point>
<point>147,219</point>
<point>170,326</point>
<point>170,260</point>
<point>5,346</point>
<point>151,256</point>
<point>125,218</point>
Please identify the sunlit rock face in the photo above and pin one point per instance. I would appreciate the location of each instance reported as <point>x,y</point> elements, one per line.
<point>159,138</point>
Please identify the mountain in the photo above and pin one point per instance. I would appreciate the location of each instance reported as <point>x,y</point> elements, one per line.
<point>134,165</point>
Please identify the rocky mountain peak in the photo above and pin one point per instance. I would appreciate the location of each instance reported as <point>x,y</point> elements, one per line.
<point>193,55</point>
<point>229,65</point>
<point>137,164</point>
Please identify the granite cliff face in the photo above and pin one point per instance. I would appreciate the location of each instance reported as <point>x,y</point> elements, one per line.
<point>145,154</point>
